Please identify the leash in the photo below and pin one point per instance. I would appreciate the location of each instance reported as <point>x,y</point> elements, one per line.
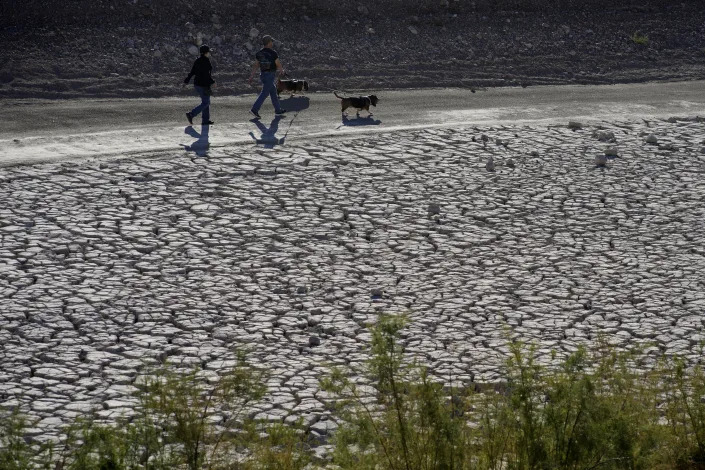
<point>296,114</point>
<point>333,90</point>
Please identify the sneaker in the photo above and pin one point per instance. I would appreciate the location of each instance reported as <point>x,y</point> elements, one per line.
<point>189,116</point>
<point>280,112</point>
<point>207,123</point>
<point>255,114</point>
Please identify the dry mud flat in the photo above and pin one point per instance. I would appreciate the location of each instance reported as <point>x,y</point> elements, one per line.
<point>292,252</point>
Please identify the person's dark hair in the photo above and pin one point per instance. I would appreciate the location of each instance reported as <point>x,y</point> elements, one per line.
<point>204,49</point>
<point>267,39</point>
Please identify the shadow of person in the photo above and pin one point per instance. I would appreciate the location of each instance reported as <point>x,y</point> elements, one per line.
<point>200,146</point>
<point>268,137</point>
<point>295,103</point>
<point>361,121</point>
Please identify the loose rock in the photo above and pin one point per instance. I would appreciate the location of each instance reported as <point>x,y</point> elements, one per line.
<point>434,208</point>
<point>490,164</point>
<point>604,136</point>
<point>612,151</point>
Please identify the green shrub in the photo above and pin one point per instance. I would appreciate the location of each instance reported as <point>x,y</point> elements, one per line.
<point>594,409</point>
<point>278,446</point>
<point>640,39</point>
<point>15,452</point>
<point>589,412</point>
<point>685,413</point>
<point>186,402</point>
<point>174,426</point>
<point>406,421</point>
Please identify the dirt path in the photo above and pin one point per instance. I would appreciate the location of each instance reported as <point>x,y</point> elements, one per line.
<point>54,130</point>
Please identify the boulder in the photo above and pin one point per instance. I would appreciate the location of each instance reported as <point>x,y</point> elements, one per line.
<point>490,164</point>
<point>604,136</point>
<point>611,151</point>
<point>652,139</point>
<point>601,161</point>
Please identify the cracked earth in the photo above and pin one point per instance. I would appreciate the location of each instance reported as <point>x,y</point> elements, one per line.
<point>109,267</point>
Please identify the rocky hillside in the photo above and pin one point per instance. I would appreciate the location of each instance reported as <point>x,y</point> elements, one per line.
<point>144,48</point>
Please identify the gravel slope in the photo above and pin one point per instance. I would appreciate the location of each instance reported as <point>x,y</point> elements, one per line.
<point>147,53</point>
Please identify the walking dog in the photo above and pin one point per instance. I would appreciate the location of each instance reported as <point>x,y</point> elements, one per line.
<point>291,86</point>
<point>360,103</point>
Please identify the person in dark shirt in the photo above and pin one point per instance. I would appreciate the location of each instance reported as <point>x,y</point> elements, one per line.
<point>267,62</point>
<point>201,71</point>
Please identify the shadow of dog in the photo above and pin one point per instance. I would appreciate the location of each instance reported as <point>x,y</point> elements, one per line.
<point>361,121</point>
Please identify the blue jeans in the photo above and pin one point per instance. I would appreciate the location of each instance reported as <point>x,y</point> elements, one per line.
<point>205,105</point>
<point>269,88</point>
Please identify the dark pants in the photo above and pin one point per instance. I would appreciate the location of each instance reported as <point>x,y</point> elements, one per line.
<point>269,88</point>
<point>205,105</point>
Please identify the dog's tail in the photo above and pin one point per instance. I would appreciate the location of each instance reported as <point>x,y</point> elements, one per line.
<point>336,95</point>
